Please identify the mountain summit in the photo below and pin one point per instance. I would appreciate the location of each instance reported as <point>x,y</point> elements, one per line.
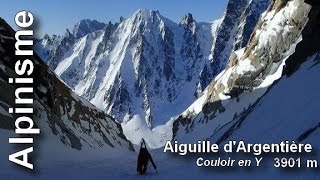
<point>86,26</point>
<point>65,119</point>
<point>146,68</point>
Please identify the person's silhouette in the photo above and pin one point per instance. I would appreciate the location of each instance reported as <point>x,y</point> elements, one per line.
<point>143,159</point>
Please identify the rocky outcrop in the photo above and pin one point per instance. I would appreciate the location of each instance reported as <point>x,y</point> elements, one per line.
<point>149,64</point>
<point>59,113</point>
<point>235,30</point>
<point>52,49</point>
<point>251,71</point>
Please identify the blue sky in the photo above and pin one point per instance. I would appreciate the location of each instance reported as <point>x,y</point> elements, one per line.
<point>56,15</point>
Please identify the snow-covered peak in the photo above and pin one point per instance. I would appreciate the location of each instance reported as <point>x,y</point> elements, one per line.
<point>145,13</point>
<point>187,19</point>
<point>65,119</point>
<point>52,49</point>
<point>86,26</point>
<point>147,68</point>
<point>67,33</point>
<point>46,37</point>
<point>145,16</point>
<point>142,12</point>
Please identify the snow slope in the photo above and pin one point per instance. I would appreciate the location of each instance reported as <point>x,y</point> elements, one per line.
<point>287,111</point>
<point>149,67</point>
<point>279,102</point>
<point>249,73</point>
<point>64,118</point>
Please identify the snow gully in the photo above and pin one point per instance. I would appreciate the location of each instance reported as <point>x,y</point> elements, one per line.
<point>24,124</point>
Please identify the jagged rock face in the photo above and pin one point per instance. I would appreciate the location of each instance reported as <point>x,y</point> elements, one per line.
<point>252,71</point>
<point>249,19</point>
<point>141,66</point>
<point>85,27</point>
<point>160,67</point>
<point>239,21</point>
<point>151,66</point>
<point>59,113</point>
<point>52,49</point>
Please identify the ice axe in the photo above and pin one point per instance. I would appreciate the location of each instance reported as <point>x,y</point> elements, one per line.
<point>155,168</point>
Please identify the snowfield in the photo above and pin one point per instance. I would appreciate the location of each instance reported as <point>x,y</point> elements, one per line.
<point>265,124</point>
<point>147,68</point>
<point>164,81</point>
<point>155,137</point>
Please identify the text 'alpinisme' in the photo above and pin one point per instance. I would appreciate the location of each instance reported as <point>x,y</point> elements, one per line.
<point>24,124</point>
